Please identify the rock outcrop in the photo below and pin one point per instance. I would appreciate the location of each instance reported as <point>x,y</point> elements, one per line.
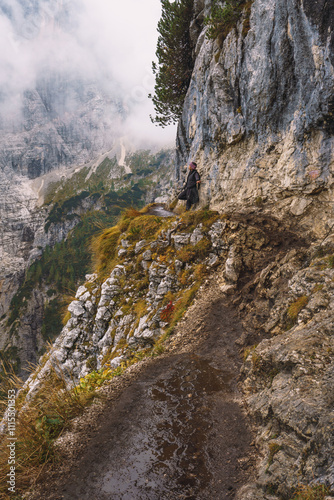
<point>288,377</point>
<point>131,307</point>
<point>258,119</point>
<point>258,113</point>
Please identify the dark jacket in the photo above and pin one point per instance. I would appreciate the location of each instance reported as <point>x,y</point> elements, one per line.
<point>190,192</point>
<point>192,179</point>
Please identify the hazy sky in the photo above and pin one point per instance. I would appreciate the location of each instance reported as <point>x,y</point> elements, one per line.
<point>126,44</point>
<point>112,41</point>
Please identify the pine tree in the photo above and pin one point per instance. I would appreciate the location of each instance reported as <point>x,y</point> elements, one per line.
<point>175,61</point>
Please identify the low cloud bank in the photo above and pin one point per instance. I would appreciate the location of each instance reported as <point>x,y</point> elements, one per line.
<point>104,43</point>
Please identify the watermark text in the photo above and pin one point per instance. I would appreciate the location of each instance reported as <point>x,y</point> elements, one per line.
<point>11,445</point>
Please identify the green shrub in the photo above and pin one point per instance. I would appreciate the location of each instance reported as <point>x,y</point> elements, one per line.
<point>224,17</point>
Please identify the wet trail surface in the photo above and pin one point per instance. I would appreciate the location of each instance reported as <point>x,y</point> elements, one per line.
<point>160,211</point>
<point>177,431</point>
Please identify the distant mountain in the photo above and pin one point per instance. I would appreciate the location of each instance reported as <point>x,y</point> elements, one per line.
<point>54,111</point>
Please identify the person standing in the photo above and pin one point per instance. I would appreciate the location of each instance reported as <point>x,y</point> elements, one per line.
<point>190,189</point>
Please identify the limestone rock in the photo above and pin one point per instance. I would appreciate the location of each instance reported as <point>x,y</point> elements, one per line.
<point>233,265</point>
<point>196,236</point>
<point>76,309</point>
<point>248,125</point>
<point>122,252</point>
<point>180,240</point>
<point>147,255</point>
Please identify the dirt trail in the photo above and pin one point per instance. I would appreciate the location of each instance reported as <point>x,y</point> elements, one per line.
<point>177,430</point>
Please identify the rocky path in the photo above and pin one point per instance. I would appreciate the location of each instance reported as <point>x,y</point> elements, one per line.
<point>177,430</point>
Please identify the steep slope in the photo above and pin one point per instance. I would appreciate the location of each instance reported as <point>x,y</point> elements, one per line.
<point>178,426</point>
<point>52,247</point>
<point>270,281</point>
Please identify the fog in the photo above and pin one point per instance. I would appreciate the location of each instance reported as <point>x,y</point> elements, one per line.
<point>105,42</point>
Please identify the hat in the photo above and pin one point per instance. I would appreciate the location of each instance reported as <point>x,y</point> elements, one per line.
<point>192,165</point>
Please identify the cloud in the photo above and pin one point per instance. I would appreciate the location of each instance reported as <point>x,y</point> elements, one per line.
<point>106,42</point>
<point>126,49</point>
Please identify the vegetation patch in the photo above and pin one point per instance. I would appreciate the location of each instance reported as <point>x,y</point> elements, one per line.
<point>259,201</point>
<point>295,308</point>
<point>9,363</point>
<point>190,253</point>
<point>224,17</point>
<point>167,312</point>
<point>331,261</point>
<point>191,219</point>
<point>52,323</point>
<point>248,351</point>
<point>38,426</point>
<point>314,492</point>
<point>104,247</point>
<point>324,250</point>
<point>144,227</point>
<point>142,285</point>
<point>143,163</point>
<point>98,182</point>
<point>140,308</point>
<point>181,305</point>
<point>200,272</point>
<point>274,448</point>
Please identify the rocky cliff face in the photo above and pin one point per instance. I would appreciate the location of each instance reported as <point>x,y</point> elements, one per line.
<point>65,121</point>
<point>258,119</point>
<point>22,233</point>
<point>258,112</point>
